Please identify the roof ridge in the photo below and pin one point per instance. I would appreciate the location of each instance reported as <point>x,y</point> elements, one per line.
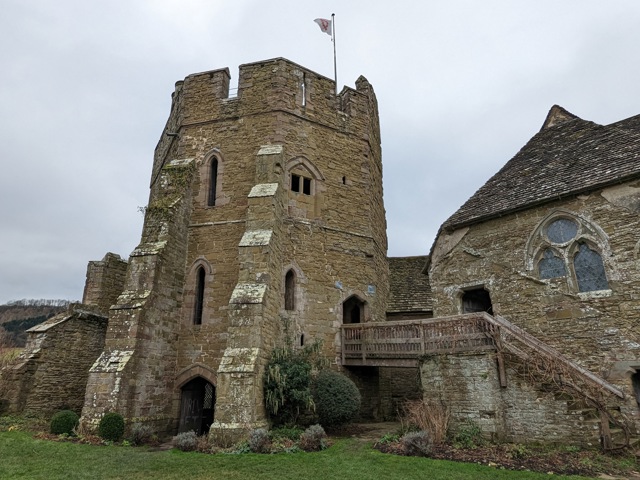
<point>556,116</point>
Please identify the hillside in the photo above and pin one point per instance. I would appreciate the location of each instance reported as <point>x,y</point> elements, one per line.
<point>18,316</point>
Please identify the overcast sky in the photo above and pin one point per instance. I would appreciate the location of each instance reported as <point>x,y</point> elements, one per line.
<point>85,91</point>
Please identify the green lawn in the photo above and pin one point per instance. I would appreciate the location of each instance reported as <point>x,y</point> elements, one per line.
<point>21,456</point>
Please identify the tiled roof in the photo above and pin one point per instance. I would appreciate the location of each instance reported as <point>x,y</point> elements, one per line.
<point>409,289</point>
<point>567,157</point>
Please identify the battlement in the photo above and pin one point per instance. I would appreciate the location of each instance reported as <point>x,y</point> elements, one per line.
<point>267,86</point>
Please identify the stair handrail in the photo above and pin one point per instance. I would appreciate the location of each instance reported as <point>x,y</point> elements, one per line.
<point>532,342</point>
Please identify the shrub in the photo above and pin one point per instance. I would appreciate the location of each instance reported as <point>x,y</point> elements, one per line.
<point>468,435</point>
<point>63,422</point>
<point>186,441</point>
<point>430,417</point>
<point>287,382</point>
<point>259,441</point>
<point>417,444</point>
<point>141,434</point>
<point>336,397</point>
<point>111,427</point>
<point>313,439</point>
<point>203,445</point>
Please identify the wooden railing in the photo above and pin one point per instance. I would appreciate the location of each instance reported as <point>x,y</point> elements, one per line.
<point>401,343</point>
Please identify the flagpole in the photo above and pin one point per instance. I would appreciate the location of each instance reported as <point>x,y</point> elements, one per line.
<point>333,39</point>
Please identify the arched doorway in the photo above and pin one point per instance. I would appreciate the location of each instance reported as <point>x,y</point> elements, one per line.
<point>197,406</point>
<point>353,310</point>
<point>476,300</point>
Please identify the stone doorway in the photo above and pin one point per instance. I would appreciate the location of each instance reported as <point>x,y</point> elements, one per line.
<point>353,310</point>
<point>197,406</point>
<point>635,381</point>
<point>476,300</point>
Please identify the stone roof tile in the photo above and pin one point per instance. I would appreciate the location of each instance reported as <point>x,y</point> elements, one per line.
<point>409,288</point>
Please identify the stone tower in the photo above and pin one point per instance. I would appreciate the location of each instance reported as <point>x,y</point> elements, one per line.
<point>265,226</point>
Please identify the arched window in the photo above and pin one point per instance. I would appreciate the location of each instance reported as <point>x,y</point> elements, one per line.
<point>551,266</point>
<point>589,270</point>
<point>213,180</point>
<point>570,247</point>
<point>290,290</point>
<point>199,300</point>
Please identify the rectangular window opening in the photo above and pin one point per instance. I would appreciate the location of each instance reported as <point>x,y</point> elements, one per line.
<point>295,183</point>
<point>306,186</point>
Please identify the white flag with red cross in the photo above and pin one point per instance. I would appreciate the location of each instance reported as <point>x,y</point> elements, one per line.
<point>324,24</point>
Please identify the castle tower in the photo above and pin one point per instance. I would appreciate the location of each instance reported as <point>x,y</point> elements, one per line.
<point>265,227</point>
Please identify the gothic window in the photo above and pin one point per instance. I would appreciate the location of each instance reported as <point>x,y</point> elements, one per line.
<point>551,266</point>
<point>199,299</point>
<point>289,290</point>
<point>589,270</point>
<point>566,246</point>
<point>213,180</point>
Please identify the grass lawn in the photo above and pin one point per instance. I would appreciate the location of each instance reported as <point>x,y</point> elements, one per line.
<point>22,456</point>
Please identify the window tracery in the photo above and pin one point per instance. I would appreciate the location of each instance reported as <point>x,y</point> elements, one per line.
<point>567,246</point>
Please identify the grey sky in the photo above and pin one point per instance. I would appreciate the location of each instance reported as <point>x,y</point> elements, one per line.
<point>85,90</point>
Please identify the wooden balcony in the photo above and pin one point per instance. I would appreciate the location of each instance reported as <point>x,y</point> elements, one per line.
<point>402,343</point>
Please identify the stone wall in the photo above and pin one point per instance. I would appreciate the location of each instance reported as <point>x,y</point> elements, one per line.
<point>598,329</point>
<point>135,373</point>
<point>105,281</point>
<point>51,373</point>
<point>524,411</point>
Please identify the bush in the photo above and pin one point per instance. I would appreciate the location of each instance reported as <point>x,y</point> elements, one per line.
<point>259,441</point>
<point>417,444</point>
<point>313,439</point>
<point>63,422</point>
<point>186,441</point>
<point>111,427</point>
<point>468,435</point>
<point>141,434</point>
<point>287,382</point>
<point>336,397</point>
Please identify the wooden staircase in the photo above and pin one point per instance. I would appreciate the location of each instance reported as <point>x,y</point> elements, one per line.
<point>403,343</point>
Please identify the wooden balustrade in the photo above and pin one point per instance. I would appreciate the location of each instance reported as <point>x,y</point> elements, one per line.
<point>403,342</point>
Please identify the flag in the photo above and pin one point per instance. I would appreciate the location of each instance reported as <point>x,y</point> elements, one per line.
<point>324,24</point>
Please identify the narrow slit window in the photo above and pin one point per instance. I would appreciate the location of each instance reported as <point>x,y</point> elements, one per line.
<point>213,180</point>
<point>303,87</point>
<point>199,299</point>
<point>289,291</point>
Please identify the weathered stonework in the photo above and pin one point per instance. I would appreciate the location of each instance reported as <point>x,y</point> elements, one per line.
<point>524,411</point>
<point>51,372</point>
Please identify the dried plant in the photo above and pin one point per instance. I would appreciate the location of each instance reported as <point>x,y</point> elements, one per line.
<point>432,417</point>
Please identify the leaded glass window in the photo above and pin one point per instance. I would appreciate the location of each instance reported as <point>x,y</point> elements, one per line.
<point>562,230</point>
<point>589,270</point>
<point>551,266</point>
